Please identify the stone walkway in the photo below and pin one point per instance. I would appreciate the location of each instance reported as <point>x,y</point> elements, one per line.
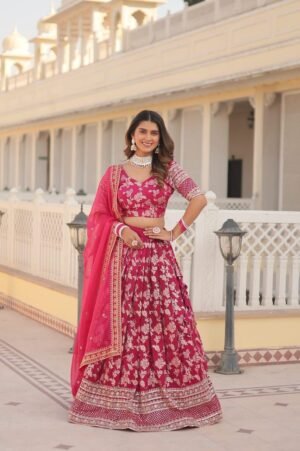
<point>261,406</point>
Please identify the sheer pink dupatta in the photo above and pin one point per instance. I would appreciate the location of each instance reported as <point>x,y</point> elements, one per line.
<point>99,331</point>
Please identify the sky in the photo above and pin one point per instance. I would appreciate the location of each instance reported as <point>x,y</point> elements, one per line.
<point>25,14</point>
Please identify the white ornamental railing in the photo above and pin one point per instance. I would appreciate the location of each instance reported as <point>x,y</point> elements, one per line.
<point>48,69</point>
<point>19,80</point>
<point>34,239</point>
<point>41,196</point>
<point>177,202</point>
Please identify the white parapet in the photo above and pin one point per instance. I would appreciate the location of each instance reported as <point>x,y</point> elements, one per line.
<point>34,238</point>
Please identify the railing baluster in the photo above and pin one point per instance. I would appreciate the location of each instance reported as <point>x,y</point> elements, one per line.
<point>241,283</point>
<point>268,276</point>
<point>280,298</point>
<point>294,283</point>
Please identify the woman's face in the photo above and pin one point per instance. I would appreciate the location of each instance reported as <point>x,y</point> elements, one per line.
<point>146,137</point>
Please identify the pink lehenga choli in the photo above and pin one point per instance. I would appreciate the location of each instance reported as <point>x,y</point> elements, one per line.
<point>138,360</point>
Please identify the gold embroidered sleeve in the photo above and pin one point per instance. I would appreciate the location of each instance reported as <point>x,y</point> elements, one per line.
<point>182,182</point>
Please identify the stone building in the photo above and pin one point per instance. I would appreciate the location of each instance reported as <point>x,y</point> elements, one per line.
<point>224,75</point>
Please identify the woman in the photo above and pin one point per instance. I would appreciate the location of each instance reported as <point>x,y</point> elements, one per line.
<point>138,361</point>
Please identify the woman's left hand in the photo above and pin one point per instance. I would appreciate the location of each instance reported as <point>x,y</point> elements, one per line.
<point>162,234</point>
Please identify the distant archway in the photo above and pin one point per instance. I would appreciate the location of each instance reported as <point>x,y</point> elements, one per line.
<point>139,17</point>
<point>16,69</point>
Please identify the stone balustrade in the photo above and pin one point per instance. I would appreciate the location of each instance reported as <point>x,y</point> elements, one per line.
<point>34,239</point>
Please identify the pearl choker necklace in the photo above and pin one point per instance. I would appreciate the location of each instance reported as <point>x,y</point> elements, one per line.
<point>142,162</point>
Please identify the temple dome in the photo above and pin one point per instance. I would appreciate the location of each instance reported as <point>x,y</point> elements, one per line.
<point>15,42</point>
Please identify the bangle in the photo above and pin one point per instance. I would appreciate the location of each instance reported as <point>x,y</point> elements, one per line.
<point>119,228</point>
<point>184,224</point>
<point>171,235</point>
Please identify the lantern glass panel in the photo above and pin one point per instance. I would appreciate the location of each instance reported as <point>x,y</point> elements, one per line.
<point>82,237</point>
<point>74,236</point>
<point>225,246</point>
<point>236,246</point>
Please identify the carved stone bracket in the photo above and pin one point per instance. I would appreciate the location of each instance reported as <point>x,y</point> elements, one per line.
<point>80,129</point>
<point>269,99</point>
<point>215,108</point>
<point>58,133</point>
<point>252,102</point>
<point>229,107</point>
<point>106,124</point>
<point>172,114</point>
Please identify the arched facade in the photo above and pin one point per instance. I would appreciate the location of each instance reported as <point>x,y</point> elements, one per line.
<point>231,118</point>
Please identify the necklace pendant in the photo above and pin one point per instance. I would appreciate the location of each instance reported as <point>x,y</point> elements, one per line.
<point>141,162</point>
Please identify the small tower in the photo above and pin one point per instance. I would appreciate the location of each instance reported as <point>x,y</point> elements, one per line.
<point>91,30</point>
<point>15,56</point>
<point>45,44</point>
<point>130,14</point>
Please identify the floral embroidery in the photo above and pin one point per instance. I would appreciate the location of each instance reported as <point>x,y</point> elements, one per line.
<point>159,381</point>
<point>148,199</point>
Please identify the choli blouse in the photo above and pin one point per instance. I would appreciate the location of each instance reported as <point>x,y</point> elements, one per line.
<point>147,198</point>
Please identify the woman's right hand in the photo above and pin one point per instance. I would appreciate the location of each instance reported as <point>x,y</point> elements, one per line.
<point>131,238</point>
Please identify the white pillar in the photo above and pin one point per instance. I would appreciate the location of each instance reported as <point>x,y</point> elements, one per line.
<point>83,49</point>
<point>206,133</point>
<point>17,159</point>
<point>68,56</point>
<point>271,151</point>
<point>2,143</point>
<point>99,169</point>
<point>34,137</point>
<point>37,61</point>
<point>51,159</point>
<point>3,74</point>
<point>218,149</point>
<point>60,53</point>
<point>80,35</point>
<point>73,156</point>
<point>258,104</point>
<point>165,116</point>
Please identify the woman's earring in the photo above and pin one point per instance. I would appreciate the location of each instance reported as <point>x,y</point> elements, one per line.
<point>157,149</point>
<point>133,146</point>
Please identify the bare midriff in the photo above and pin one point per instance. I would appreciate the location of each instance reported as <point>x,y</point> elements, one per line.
<point>143,222</point>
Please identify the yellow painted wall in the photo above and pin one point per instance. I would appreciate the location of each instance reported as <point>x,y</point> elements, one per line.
<point>46,299</point>
<point>252,330</point>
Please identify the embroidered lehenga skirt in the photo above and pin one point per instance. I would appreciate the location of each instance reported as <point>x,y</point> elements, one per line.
<point>160,381</point>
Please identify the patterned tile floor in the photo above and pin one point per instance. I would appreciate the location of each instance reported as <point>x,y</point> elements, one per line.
<point>261,406</point>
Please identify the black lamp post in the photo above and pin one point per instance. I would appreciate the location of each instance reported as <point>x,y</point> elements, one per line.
<point>78,238</point>
<point>230,241</point>
<point>1,214</point>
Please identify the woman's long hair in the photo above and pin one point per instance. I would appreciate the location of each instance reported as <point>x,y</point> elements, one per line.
<point>160,161</point>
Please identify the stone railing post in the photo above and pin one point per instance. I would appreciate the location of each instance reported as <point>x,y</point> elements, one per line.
<point>13,200</point>
<point>208,265</point>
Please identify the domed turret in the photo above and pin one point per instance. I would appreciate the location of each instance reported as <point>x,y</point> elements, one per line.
<point>15,42</point>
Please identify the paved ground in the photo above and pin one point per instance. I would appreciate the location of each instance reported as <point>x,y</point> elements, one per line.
<point>261,406</point>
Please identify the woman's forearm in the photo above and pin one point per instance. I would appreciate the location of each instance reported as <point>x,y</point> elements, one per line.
<point>191,213</point>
